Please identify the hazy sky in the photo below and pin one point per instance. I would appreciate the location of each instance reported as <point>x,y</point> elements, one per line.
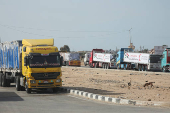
<point>87,24</point>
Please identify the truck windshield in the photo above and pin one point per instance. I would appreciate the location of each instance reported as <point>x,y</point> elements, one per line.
<point>74,56</point>
<point>44,61</point>
<point>155,59</point>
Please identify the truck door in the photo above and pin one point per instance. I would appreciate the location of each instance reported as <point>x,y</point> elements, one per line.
<point>168,56</point>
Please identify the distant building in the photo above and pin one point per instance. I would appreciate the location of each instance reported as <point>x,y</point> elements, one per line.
<point>158,50</point>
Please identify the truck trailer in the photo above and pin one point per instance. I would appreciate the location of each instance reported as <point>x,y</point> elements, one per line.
<point>142,61</point>
<point>100,59</point>
<point>71,59</point>
<point>165,60</point>
<point>30,64</point>
<point>127,59</point>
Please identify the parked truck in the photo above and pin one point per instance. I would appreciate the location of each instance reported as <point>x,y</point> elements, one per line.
<point>138,61</point>
<point>86,58</point>
<point>165,60</point>
<point>71,59</point>
<point>30,64</point>
<point>100,59</point>
<point>119,57</point>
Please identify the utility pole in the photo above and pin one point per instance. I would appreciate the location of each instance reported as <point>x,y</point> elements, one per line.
<point>130,34</point>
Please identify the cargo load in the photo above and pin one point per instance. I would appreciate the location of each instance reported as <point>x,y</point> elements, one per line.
<point>136,57</point>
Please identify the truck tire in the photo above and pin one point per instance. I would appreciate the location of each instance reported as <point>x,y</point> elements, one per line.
<point>17,84</point>
<point>8,81</point>
<point>103,66</point>
<point>139,68</point>
<point>125,67</point>
<point>118,66</point>
<point>163,69</point>
<point>28,90</point>
<point>3,80</point>
<point>107,66</point>
<point>0,79</point>
<point>95,65</point>
<point>146,68</point>
<point>67,63</point>
<point>85,64</point>
<point>143,68</point>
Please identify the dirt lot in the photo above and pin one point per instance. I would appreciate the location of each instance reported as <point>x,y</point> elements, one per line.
<point>114,83</point>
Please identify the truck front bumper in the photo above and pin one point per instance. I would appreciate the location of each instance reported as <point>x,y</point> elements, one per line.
<point>44,83</point>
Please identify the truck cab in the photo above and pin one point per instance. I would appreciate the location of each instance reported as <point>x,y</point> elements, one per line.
<point>120,56</point>
<point>165,60</point>
<point>91,62</point>
<point>41,65</point>
<point>86,58</point>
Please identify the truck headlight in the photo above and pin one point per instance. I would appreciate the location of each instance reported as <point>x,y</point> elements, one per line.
<point>58,80</point>
<point>32,81</point>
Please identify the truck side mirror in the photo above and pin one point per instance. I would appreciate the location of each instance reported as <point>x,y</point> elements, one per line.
<point>24,49</point>
<point>61,61</point>
<point>25,61</point>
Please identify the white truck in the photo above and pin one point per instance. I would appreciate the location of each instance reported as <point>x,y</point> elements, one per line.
<point>142,61</point>
<point>104,60</point>
<point>86,58</point>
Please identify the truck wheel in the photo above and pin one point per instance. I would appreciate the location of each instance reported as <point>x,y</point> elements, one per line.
<point>139,68</point>
<point>125,67</point>
<point>85,64</point>
<point>95,65</point>
<point>67,64</point>
<point>8,81</point>
<point>17,84</point>
<point>107,66</point>
<point>28,90</point>
<point>143,68</point>
<point>0,79</point>
<point>3,80</point>
<point>163,69</point>
<point>103,66</point>
<point>118,66</point>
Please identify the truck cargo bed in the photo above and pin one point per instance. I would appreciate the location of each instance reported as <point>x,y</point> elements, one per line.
<point>10,56</point>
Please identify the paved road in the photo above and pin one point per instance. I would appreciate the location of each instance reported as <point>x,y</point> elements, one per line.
<point>12,101</point>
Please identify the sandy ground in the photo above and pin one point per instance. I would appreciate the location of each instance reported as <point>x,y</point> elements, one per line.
<point>114,83</point>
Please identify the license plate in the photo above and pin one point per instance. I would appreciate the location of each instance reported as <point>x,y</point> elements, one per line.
<point>45,81</point>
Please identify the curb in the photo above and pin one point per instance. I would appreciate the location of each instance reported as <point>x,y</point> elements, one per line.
<point>110,99</point>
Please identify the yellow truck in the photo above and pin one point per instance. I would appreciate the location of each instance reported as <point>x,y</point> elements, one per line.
<point>30,64</point>
<point>70,59</point>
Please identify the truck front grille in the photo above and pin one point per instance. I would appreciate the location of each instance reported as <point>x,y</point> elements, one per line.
<point>45,83</point>
<point>43,76</point>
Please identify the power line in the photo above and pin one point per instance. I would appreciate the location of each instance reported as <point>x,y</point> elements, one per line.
<point>67,37</point>
<point>21,27</point>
